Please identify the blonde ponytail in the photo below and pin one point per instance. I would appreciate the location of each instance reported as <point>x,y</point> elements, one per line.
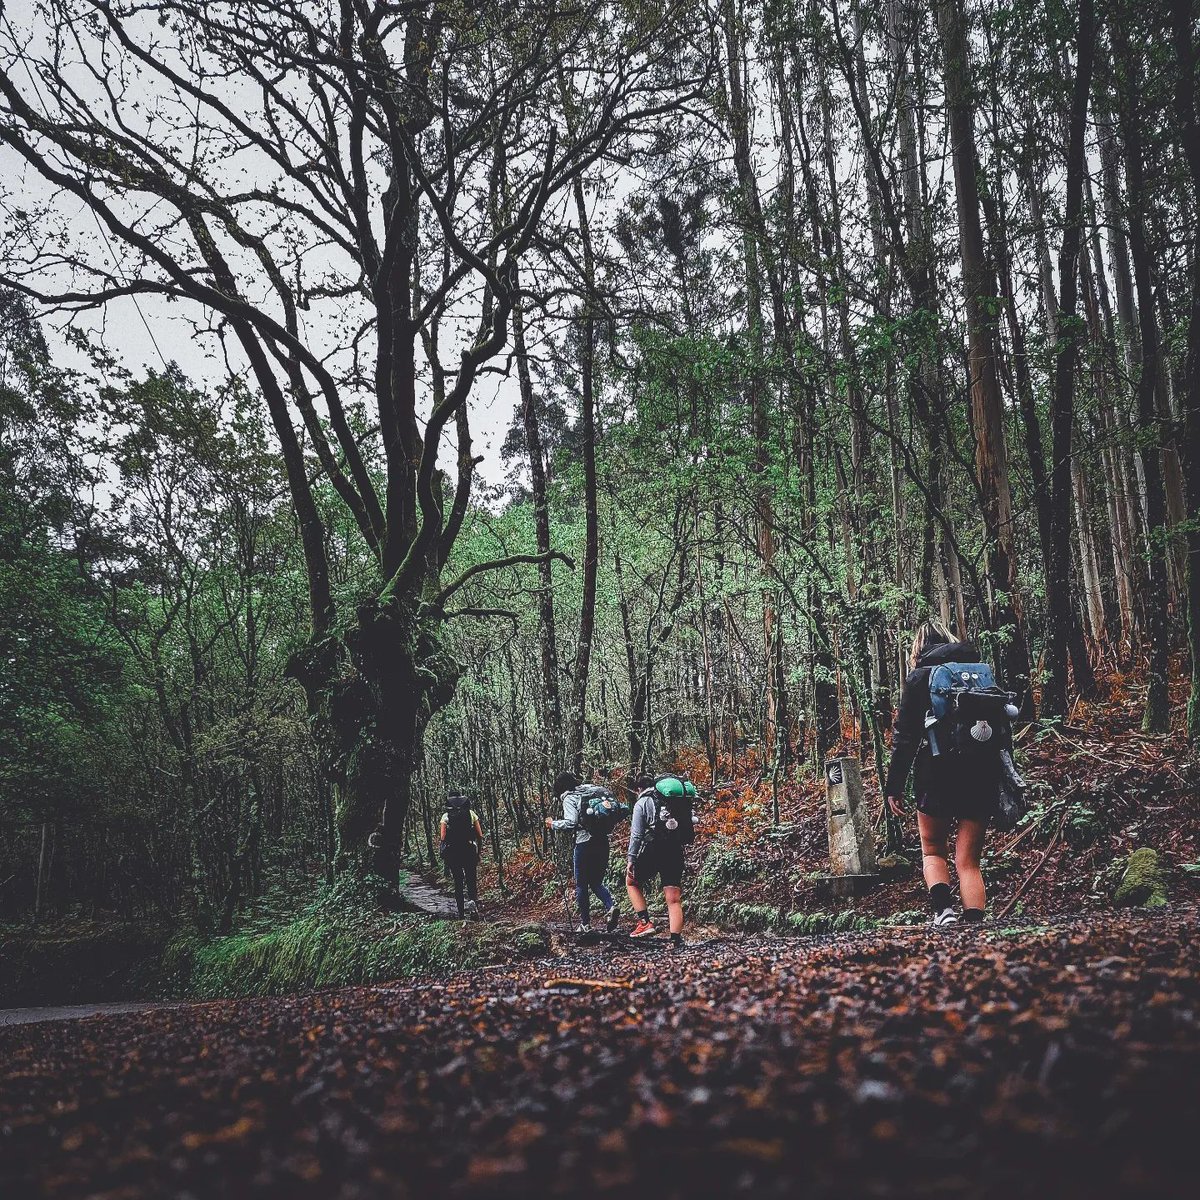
<point>932,632</point>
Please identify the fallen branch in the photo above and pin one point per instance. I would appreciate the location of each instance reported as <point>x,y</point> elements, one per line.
<point>617,985</point>
<point>1041,862</point>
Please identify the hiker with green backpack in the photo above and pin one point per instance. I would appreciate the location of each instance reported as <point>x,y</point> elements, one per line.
<point>592,812</point>
<point>953,731</point>
<point>663,825</point>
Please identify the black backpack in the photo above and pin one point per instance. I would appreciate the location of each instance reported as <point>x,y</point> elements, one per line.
<point>460,829</point>
<point>673,807</point>
<point>968,714</point>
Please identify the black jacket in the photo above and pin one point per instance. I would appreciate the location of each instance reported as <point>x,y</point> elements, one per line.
<point>908,733</point>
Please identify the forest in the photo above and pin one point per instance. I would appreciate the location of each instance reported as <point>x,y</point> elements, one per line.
<point>415,411</point>
<point>788,324</point>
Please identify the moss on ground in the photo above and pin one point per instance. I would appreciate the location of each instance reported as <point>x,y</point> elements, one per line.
<point>725,865</point>
<point>1143,883</point>
<point>766,918</point>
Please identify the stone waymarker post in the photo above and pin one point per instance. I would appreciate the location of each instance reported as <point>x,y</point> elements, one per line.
<point>851,842</point>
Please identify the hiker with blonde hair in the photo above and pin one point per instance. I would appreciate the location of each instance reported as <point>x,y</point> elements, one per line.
<point>950,732</point>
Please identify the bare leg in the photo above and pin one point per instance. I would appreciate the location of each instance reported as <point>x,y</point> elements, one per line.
<point>935,834</point>
<point>968,846</point>
<point>674,898</point>
<point>637,900</point>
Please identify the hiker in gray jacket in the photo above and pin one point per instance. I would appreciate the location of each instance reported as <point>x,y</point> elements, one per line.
<point>591,813</point>
<point>662,826</point>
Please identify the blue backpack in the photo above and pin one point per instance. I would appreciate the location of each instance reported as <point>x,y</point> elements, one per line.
<point>599,810</point>
<point>968,713</point>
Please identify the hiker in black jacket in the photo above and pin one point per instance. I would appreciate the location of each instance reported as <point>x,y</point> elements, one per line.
<point>946,788</point>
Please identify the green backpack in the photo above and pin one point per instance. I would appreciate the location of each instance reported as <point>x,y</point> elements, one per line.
<point>674,823</point>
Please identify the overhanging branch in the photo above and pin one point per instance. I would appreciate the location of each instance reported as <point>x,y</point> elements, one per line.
<point>439,601</point>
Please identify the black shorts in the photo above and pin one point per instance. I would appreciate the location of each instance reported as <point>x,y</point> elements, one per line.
<point>666,862</point>
<point>953,787</point>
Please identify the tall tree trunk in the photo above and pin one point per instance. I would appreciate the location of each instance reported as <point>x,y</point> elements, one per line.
<point>1095,292</point>
<point>1089,558</point>
<point>1031,421</point>
<point>1062,410</point>
<point>591,552</point>
<point>1157,717</point>
<point>987,408</point>
<point>736,102</point>
<point>1189,134</point>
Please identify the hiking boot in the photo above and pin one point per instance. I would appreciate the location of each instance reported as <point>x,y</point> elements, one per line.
<point>583,928</point>
<point>612,917</point>
<point>642,929</point>
<point>946,917</point>
<point>473,910</point>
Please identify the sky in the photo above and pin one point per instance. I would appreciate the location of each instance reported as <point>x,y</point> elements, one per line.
<point>142,335</point>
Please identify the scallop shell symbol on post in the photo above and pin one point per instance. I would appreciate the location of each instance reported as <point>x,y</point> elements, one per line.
<point>981,731</point>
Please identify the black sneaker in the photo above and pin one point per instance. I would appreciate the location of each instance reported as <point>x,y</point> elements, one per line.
<point>612,918</point>
<point>946,917</point>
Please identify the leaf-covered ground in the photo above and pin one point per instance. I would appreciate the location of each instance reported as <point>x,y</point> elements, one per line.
<point>1054,1061</point>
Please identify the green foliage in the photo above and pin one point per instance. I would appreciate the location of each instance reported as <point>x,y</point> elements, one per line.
<point>79,961</point>
<point>910,916</point>
<point>338,940</point>
<point>63,674</point>
<point>319,950</point>
<point>999,866</point>
<point>725,865</point>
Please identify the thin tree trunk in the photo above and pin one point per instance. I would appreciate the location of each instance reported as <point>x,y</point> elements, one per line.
<point>591,552</point>
<point>1157,717</point>
<point>1062,410</point>
<point>547,636</point>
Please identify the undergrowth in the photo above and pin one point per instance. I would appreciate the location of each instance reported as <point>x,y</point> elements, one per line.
<point>724,865</point>
<point>766,918</point>
<point>336,941</point>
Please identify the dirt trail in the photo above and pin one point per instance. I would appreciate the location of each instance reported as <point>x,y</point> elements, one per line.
<point>1058,1061</point>
<point>427,897</point>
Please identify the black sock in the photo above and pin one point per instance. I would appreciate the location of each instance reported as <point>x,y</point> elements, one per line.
<point>973,916</point>
<point>940,897</point>
<point>644,915</point>
<point>677,939</point>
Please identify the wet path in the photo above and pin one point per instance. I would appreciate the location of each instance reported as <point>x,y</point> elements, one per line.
<point>69,1012</point>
